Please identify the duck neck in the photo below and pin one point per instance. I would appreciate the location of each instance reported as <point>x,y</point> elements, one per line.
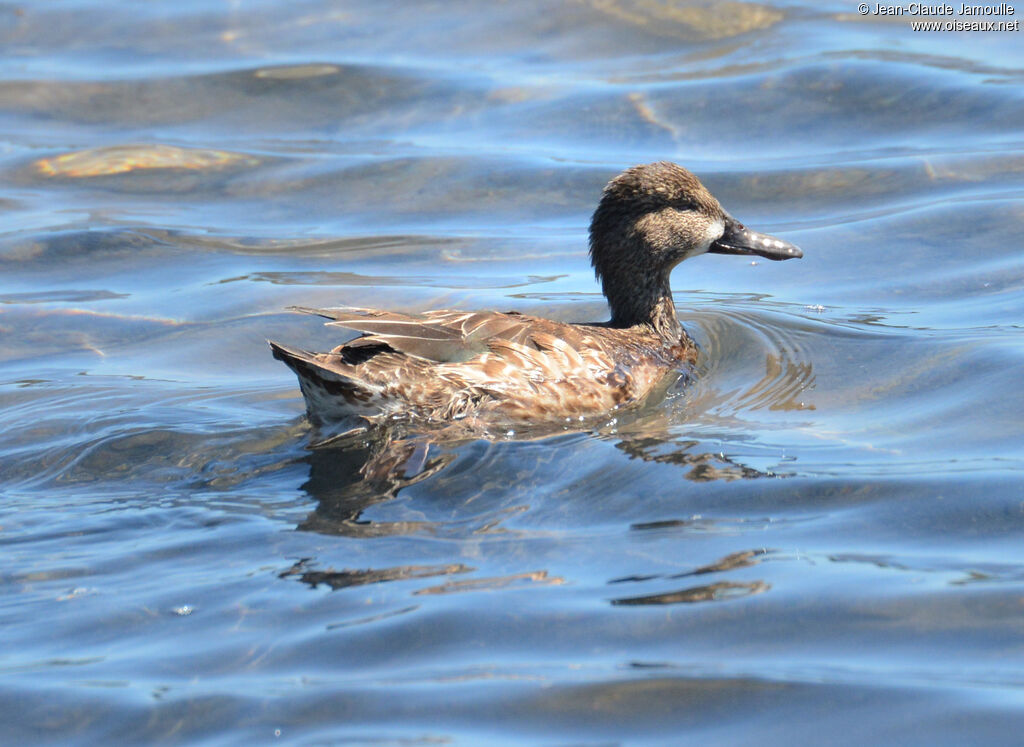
<point>650,304</point>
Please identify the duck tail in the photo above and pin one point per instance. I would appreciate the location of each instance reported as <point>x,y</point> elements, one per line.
<point>331,394</point>
<point>291,356</point>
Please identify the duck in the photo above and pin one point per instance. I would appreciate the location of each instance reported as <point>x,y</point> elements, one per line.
<point>490,369</point>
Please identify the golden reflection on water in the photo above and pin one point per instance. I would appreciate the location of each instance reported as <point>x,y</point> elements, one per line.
<point>121,159</point>
<point>691,21</point>
<point>294,72</point>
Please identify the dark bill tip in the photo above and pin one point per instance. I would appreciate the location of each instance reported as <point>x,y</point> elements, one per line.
<point>738,239</point>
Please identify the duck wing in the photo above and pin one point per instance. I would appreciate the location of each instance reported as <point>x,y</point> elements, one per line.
<point>441,336</point>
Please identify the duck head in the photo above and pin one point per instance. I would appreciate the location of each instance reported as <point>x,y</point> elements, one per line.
<point>651,218</point>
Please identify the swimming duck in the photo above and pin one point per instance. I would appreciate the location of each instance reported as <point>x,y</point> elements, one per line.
<point>496,368</point>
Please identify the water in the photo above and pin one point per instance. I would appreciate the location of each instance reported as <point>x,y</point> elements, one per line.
<point>816,541</point>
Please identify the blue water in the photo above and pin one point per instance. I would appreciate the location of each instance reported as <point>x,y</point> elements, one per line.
<point>817,540</point>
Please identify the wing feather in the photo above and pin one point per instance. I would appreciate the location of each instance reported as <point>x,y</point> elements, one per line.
<point>451,336</point>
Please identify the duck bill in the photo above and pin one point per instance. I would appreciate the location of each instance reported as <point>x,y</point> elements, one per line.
<point>738,239</point>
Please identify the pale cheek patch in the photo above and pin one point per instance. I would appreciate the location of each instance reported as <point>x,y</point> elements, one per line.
<point>711,235</point>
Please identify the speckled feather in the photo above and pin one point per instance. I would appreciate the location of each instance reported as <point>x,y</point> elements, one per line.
<point>501,367</point>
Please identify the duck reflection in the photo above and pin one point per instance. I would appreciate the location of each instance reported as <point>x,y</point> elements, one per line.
<point>347,476</point>
<point>784,383</point>
<point>348,578</point>
<point>713,592</point>
<point>701,466</point>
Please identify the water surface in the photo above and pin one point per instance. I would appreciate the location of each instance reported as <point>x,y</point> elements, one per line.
<point>816,540</point>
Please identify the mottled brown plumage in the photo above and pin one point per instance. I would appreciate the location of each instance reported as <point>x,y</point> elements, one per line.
<point>490,368</point>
